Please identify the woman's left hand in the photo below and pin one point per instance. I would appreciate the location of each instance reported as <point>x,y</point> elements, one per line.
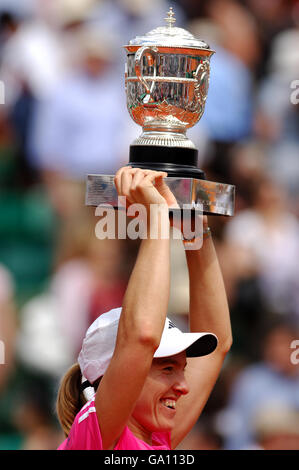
<point>144,187</point>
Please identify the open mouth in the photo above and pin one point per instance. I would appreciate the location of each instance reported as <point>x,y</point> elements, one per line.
<point>169,403</point>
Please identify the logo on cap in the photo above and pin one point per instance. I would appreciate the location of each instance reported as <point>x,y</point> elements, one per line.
<point>171,324</point>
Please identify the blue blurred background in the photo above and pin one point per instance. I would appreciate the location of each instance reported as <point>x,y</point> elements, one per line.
<point>65,116</point>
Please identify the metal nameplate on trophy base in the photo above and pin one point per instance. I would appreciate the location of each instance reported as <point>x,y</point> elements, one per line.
<point>167,77</point>
<point>214,198</point>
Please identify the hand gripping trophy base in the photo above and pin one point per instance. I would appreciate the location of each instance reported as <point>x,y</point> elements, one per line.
<point>209,197</point>
<point>187,182</point>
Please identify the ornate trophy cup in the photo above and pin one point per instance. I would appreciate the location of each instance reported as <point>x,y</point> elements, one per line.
<point>166,80</point>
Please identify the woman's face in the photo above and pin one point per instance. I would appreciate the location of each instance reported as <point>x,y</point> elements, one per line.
<point>155,409</point>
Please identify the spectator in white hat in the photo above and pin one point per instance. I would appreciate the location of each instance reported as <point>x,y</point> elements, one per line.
<point>141,383</point>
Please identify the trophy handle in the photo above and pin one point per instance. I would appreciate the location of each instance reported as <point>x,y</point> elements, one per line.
<point>202,76</point>
<point>150,53</point>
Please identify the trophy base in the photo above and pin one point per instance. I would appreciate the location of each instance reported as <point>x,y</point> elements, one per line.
<point>209,197</point>
<point>155,157</point>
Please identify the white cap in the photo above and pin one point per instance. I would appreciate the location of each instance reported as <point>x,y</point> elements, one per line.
<point>99,343</point>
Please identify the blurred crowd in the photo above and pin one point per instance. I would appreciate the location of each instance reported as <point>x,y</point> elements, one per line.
<point>65,116</point>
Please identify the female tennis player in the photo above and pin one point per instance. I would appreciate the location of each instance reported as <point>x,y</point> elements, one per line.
<point>141,383</point>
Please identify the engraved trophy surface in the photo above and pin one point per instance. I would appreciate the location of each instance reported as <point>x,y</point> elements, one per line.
<point>166,80</point>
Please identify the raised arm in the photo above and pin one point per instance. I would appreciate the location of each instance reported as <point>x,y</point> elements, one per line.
<point>208,301</point>
<point>208,312</point>
<point>143,312</point>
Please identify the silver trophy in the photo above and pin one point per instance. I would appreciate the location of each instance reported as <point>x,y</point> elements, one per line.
<point>166,80</point>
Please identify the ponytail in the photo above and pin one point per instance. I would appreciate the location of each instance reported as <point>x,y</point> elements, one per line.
<point>70,399</point>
